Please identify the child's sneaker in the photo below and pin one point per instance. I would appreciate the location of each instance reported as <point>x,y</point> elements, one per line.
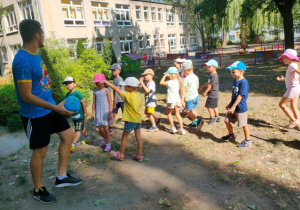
<point>200,124</point>
<point>73,148</point>
<point>212,120</point>
<point>139,158</point>
<point>218,119</point>
<point>152,128</point>
<point>102,143</point>
<point>68,181</point>
<point>245,143</point>
<point>43,195</point>
<point>229,137</point>
<point>87,140</point>
<point>181,131</point>
<point>293,124</point>
<point>107,148</point>
<point>83,142</point>
<point>172,130</point>
<point>111,130</point>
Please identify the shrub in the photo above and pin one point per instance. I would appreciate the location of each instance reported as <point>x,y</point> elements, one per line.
<point>80,48</point>
<point>107,53</point>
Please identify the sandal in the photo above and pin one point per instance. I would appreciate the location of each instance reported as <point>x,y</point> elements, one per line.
<point>107,147</point>
<point>116,155</point>
<point>139,158</point>
<point>102,143</point>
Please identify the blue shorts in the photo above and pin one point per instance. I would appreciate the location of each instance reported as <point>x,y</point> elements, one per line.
<point>192,104</point>
<point>118,106</point>
<point>130,126</point>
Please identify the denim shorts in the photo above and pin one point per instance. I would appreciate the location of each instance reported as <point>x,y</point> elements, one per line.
<point>192,104</point>
<point>130,126</point>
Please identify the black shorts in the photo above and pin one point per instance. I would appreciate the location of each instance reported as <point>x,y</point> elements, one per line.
<point>211,103</point>
<point>38,130</point>
<point>118,106</point>
<point>79,125</point>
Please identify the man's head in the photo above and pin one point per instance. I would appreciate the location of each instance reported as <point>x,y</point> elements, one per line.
<point>116,69</point>
<point>30,31</point>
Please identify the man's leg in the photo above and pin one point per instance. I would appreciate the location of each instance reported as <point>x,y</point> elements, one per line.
<point>66,137</point>
<point>36,166</point>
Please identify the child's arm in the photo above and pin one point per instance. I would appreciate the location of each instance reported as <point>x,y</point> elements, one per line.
<point>236,102</point>
<point>280,78</point>
<point>93,106</point>
<point>110,105</point>
<point>112,86</point>
<point>209,87</point>
<point>147,90</point>
<point>202,87</point>
<point>83,104</point>
<point>163,80</point>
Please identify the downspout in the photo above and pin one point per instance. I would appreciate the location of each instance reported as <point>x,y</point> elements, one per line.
<point>41,17</point>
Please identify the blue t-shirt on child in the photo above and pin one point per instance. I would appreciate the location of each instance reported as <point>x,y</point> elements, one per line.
<point>28,67</point>
<point>240,87</point>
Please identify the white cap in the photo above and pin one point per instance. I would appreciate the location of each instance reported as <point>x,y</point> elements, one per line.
<point>69,79</point>
<point>179,60</point>
<point>131,81</point>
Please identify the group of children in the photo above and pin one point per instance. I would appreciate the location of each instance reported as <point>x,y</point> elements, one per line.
<point>182,96</point>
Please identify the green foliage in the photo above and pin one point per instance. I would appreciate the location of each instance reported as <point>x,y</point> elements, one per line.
<point>80,48</point>
<point>108,53</point>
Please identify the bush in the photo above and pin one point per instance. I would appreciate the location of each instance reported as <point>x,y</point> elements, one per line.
<point>80,48</point>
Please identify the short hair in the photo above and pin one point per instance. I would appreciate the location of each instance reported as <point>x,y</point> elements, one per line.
<point>28,29</point>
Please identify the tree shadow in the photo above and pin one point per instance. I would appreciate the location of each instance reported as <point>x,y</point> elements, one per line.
<point>295,144</point>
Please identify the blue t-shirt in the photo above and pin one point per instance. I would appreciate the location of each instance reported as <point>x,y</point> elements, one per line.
<point>240,87</point>
<point>28,67</point>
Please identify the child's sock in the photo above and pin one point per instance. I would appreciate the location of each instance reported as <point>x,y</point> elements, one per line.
<point>62,177</point>
<point>196,121</point>
<point>74,144</point>
<point>87,137</point>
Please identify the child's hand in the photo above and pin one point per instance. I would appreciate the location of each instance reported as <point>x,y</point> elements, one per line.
<point>110,116</point>
<point>141,80</point>
<point>280,78</point>
<point>85,115</point>
<point>227,107</point>
<point>204,94</point>
<point>114,105</point>
<point>93,116</point>
<point>231,110</point>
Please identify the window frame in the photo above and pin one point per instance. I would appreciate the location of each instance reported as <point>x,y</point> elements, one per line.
<point>138,11</point>
<point>182,38</point>
<point>14,49</point>
<point>146,11</point>
<point>121,11</point>
<point>162,40</point>
<point>23,9</point>
<point>102,22</point>
<point>181,18</point>
<point>153,11</point>
<point>100,43</point>
<point>171,15</point>
<point>74,20</point>
<point>10,14</point>
<point>141,41</point>
<point>130,44</point>
<point>172,37</point>
<point>148,41</point>
<point>193,40</point>
<point>160,14</point>
<point>4,57</point>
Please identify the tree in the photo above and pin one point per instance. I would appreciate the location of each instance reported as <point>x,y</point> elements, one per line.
<point>80,48</point>
<point>107,53</point>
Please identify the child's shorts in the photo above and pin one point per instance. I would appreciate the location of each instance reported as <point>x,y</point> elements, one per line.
<point>192,104</point>
<point>130,126</point>
<point>292,92</point>
<point>173,105</point>
<point>79,125</point>
<point>149,109</point>
<point>241,118</point>
<point>211,103</point>
<point>118,106</point>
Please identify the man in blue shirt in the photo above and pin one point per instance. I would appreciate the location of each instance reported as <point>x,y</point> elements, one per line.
<point>40,115</point>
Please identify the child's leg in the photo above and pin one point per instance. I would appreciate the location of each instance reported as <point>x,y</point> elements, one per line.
<point>191,114</point>
<point>194,112</point>
<point>293,104</point>
<point>170,118</point>
<point>151,116</point>
<point>77,136</point>
<point>211,112</point>
<point>282,105</point>
<point>229,127</point>
<point>139,141</point>
<point>124,142</point>
<point>84,132</point>
<point>114,116</point>
<point>246,132</point>
<point>179,118</point>
<point>100,131</point>
<point>106,134</point>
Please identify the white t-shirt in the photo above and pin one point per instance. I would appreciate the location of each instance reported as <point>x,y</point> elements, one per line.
<point>291,77</point>
<point>150,98</point>
<point>173,91</point>
<point>191,83</point>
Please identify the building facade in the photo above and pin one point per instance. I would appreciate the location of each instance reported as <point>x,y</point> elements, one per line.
<point>130,25</point>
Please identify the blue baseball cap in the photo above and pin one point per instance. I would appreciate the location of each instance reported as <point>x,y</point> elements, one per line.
<point>237,65</point>
<point>172,70</point>
<point>212,62</point>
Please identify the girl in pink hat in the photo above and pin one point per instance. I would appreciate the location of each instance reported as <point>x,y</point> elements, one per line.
<point>292,93</point>
<point>102,110</point>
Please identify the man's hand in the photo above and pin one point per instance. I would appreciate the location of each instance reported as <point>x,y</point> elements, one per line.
<point>60,108</point>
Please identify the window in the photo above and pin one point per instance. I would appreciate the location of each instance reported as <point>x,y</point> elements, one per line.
<point>170,18</point>
<point>3,55</point>
<point>100,14</point>
<point>297,30</point>
<point>73,12</point>
<point>148,41</point>
<point>123,15</point>
<point>156,41</point>
<point>126,44</point>
<point>15,48</point>
<point>153,15</point>
<point>100,41</point>
<point>141,42</point>
<point>26,9</point>
<point>172,41</point>
<point>183,44</point>
<point>138,12</point>
<point>193,40</point>
<point>159,12</point>
<point>72,43</point>
<point>11,21</point>
<point>181,19</point>
<point>231,37</point>
<point>161,40</point>
<point>146,13</point>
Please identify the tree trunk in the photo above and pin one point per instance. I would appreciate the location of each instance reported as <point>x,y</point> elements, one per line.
<point>224,38</point>
<point>244,34</point>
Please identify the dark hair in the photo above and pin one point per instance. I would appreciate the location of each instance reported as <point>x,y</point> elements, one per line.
<point>28,29</point>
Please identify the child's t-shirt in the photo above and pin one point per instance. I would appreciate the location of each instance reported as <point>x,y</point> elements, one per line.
<point>78,115</point>
<point>150,98</point>
<point>214,91</point>
<point>292,78</point>
<point>132,104</point>
<point>191,82</point>
<point>240,87</point>
<point>117,82</point>
<point>173,91</point>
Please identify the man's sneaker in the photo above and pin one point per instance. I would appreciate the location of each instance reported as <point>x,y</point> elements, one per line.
<point>245,143</point>
<point>68,181</point>
<point>229,137</point>
<point>152,128</point>
<point>212,120</point>
<point>87,140</point>
<point>43,195</point>
<point>72,148</point>
<point>181,132</point>
<point>172,130</point>
<point>218,119</point>
<point>200,123</point>
<point>158,121</point>
<point>293,124</point>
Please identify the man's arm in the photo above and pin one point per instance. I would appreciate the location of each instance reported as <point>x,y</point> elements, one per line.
<point>26,95</point>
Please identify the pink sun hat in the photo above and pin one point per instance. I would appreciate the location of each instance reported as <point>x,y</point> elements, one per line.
<point>290,53</point>
<point>99,77</point>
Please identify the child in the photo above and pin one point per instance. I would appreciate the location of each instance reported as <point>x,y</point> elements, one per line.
<point>118,102</point>
<point>131,116</point>
<point>102,110</point>
<point>237,108</point>
<point>212,91</point>
<point>190,90</point>
<point>178,62</point>
<point>150,98</point>
<point>78,117</point>
<point>173,99</point>
<point>292,85</point>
